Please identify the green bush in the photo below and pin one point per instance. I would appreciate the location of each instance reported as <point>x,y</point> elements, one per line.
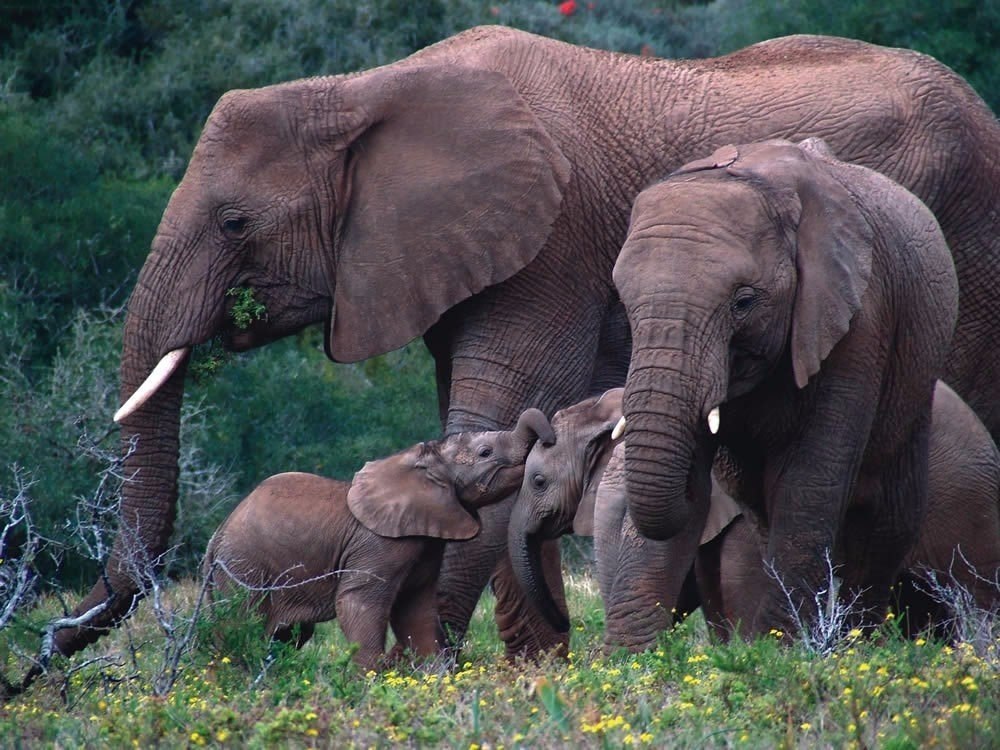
<point>297,411</point>
<point>70,236</point>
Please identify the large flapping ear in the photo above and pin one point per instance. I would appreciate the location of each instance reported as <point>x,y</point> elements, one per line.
<point>453,185</point>
<point>410,494</point>
<point>593,420</point>
<point>834,244</point>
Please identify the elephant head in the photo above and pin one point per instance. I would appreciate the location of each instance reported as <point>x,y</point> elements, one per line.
<point>363,202</point>
<point>434,488</point>
<point>740,268</point>
<point>557,494</point>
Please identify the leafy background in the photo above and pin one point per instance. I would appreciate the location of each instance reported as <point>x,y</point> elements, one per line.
<point>100,105</point>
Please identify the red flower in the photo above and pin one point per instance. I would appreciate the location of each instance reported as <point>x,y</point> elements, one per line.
<point>567,8</point>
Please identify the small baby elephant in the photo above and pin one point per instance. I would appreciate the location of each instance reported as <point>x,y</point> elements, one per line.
<point>565,481</point>
<point>367,552</point>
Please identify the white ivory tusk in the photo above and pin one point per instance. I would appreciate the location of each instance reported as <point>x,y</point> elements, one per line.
<point>160,375</point>
<point>713,420</point>
<point>619,429</point>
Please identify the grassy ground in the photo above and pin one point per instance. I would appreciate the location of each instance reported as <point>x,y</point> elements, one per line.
<point>877,691</point>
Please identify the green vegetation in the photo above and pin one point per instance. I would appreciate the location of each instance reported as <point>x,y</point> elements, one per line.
<point>874,691</point>
<point>100,105</point>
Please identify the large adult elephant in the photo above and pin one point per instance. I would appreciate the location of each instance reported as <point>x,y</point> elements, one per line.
<point>477,192</point>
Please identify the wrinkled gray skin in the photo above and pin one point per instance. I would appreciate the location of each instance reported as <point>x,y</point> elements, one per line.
<point>368,552</point>
<point>959,541</point>
<point>644,583</point>
<point>478,193</point>
<point>813,302</point>
<point>648,585</point>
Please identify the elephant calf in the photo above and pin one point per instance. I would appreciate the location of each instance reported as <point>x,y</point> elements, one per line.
<point>367,552</point>
<point>642,581</point>
<point>576,483</point>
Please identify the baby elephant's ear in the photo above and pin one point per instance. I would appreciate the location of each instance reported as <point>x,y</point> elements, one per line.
<point>598,423</point>
<point>410,494</point>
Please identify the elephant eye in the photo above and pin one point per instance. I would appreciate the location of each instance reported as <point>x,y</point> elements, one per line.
<point>234,226</point>
<point>539,482</point>
<point>485,451</point>
<point>744,301</point>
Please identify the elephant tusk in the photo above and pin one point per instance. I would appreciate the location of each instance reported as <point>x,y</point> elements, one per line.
<point>160,375</point>
<point>619,429</point>
<point>713,420</point>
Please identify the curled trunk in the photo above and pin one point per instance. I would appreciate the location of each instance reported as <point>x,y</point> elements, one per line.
<point>659,456</point>
<point>668,444</point>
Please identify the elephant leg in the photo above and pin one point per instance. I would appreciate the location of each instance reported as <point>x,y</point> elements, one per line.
<point>545,358</point>
<point>917,610</point>
<point>466,570</point>
<point>363,608</point>
<point>648,593</point>
<point>300,632</point>
<point>731,577</point>
<point>689,598</point>
<point>708,573</point>
<point>414,618</point>
<point>306,631</point>
<point>882,528</point>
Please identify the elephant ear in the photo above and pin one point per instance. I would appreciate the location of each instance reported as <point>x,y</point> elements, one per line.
<point>452,185</point>
<point>410,494</point>
<point>722,511</point>
<point>595,418</point>
<point>834,244</point>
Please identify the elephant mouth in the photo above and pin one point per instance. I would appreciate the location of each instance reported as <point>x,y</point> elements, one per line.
<point>555,527</point>
<point>254,317</point>
<point>501,481</point>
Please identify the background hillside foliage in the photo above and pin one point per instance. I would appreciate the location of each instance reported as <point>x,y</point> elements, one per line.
<point>100,105</point>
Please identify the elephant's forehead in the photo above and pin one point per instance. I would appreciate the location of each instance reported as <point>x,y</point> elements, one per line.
<point>708,197</point>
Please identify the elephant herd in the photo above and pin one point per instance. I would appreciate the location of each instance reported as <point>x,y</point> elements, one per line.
<point>736,287</point>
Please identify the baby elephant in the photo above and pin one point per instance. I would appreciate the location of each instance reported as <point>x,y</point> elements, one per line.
<point>581,474</point>
<point>310,549</point>
<point>574,483</point>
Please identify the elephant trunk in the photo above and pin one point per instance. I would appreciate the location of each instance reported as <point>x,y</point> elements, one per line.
<point>534,425</point>
<point>150,446</point>
<point>668,450</point>
<point>524,543</point>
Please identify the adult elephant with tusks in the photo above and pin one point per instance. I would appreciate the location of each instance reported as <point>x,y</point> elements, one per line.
<point>477,193</point>
<point>801,336</point>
